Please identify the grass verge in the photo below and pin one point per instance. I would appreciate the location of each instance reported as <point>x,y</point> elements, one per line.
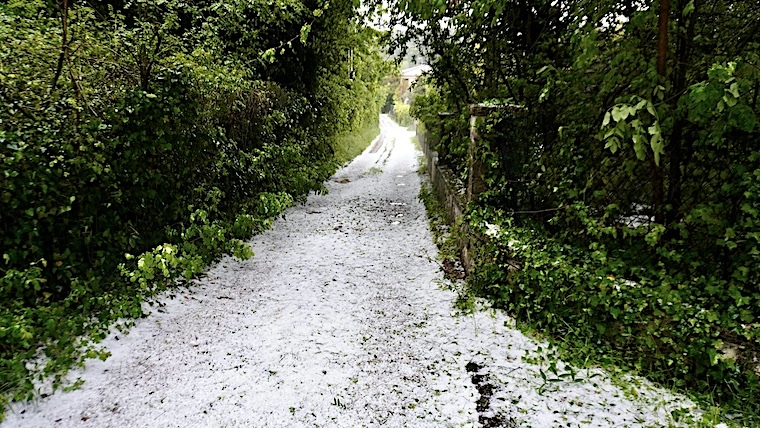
<point>569,345</point>
<point>352,144</point>
<point>445,238</point>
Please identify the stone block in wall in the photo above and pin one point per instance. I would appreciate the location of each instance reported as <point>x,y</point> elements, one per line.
<point>449,197</point>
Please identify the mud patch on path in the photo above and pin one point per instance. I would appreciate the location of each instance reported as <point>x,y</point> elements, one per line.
<point>485,386</point>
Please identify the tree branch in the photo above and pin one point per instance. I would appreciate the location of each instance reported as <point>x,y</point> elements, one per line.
<point>64,42</point>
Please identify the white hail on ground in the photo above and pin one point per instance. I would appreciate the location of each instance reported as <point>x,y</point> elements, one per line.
<point>338,321</point>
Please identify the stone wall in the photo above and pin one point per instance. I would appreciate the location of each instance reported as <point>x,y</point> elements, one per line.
<point>450,198</point>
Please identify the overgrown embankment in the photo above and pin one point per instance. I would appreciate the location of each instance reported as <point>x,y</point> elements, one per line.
<point>140,141</point>
<point>621,187</point>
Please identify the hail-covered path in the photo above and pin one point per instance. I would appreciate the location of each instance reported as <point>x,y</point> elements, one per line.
<point>342,319</point>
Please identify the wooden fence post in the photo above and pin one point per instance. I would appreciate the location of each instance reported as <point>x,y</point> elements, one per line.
<point>476,183</point>
<point>476,179</point>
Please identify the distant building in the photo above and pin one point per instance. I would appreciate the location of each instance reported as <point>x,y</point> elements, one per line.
<point>407,77</point>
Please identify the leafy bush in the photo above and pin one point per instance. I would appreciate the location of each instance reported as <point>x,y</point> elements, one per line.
<point>450,133</point>
<point>658,323</point>
<point>401,113</point>
<point>164,131</point>
<point>625,158</point>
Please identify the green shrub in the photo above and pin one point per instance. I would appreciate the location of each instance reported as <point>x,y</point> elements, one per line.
<point>670,327</point>
<point>164,131</point>
<point>401,112</point>
<point>627,174</point>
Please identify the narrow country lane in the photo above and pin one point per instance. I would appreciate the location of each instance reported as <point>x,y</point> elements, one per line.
<point>340,320</point>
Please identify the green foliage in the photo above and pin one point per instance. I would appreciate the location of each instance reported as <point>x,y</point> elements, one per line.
<point>450,134</point>
<point>401,113</point>
<point>141,141</point>
<point>352,144</point>
<point>614,168</point>
<point>666,325</point>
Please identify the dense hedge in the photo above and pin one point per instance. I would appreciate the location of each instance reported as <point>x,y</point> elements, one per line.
<point>140,141</point>
<point>626,182</point>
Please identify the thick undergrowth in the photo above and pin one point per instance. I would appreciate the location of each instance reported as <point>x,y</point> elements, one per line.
<point>617,174</point>
<point>140,141</point>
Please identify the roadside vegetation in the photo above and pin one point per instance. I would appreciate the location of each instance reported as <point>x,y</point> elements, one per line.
<point>622,175</point>
<point>140,141</point>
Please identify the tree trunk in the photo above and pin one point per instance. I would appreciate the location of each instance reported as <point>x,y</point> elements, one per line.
<point>658,192</point>
<point>681,149</point>
<point>64,42</point>
<point>662,42</point>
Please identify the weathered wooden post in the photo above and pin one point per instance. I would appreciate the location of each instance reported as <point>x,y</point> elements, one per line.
<point>476,183</point>
<point>476,179</point>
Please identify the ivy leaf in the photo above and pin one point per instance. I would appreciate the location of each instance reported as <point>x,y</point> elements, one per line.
<point>305,33</point>
<point>713,354</point>
<point>619,113</point>
<point>689,8</point>
<point>730,234</point>
<point>268,55</point>
<point>734,90</point>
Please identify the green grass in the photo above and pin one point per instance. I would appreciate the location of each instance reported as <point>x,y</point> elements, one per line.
<point>352,144</point>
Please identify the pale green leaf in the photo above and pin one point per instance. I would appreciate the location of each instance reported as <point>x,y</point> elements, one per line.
<point>689,8</point>
<point>619,113</point>
<point>734,90</point>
